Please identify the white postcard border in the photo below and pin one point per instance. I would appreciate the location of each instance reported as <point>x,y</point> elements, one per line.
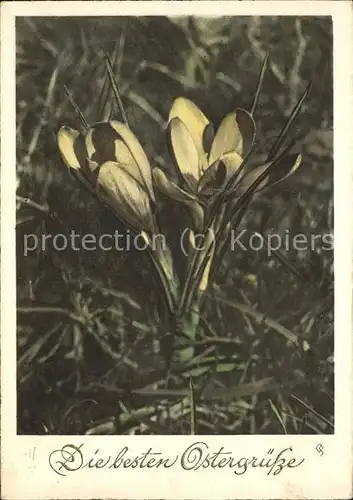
<point>26,470</point>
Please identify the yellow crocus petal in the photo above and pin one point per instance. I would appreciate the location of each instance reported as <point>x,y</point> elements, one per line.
<point>66,139</point>
<point>126,196</point>
<point>185,152</point>
<point>169,188</point>
<point>235,133</point>
<point>123,153</point>
<point>232,162</point>
<point>196,122</point>
<point>90,151</point>
<point>137,153</point>
<point>191,115</point>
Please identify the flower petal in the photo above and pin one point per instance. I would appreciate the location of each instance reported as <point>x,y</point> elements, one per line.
<point>99,142</point>
<point>137,152</point>
<point>185,152</point>
<point>169,188</point>
<point>66,141</point>
<point>232,162</point>
<point>235,133</point>
<point>126,196</point>
<point>114,141</point>
<point>90,152</point>
<point>196,122</point>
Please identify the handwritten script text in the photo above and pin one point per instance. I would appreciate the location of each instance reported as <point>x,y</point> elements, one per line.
<point>71,458</point>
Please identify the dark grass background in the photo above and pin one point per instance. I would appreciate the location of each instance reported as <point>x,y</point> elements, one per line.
<point>88,353</point>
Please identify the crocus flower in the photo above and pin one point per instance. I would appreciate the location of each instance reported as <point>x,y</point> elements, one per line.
<point>109,160</point>
<point>206,162</point>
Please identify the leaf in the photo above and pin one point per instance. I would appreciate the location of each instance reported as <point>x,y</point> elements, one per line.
<point>277,414</point>
<point>250,178</point>
<point>225,367</point>
<point>197,278</point>
<point>89,143</point>
<point>284,167</point>
<point>115,88</point>
<point>242,390</point>
<point>76,108</point>
<point>259,83</point>
<point>288,125</point>
<point>195,372</point>
<point>235,133</point>
<point>192,408</point>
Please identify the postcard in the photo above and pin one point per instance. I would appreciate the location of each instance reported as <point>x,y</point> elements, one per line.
<point>176,309</point>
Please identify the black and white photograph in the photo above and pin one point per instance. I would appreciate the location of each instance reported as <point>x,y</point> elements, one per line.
<point>175,247</point>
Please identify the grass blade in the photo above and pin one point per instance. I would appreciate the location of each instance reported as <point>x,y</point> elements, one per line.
<point>192,408</point>
<point>303,423</point>
<point>311,410</point>
<point>259,83</point>
<point>116,90</point>
<point>280,419</point>
<point>76,108</point>
<point>103,97</point>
